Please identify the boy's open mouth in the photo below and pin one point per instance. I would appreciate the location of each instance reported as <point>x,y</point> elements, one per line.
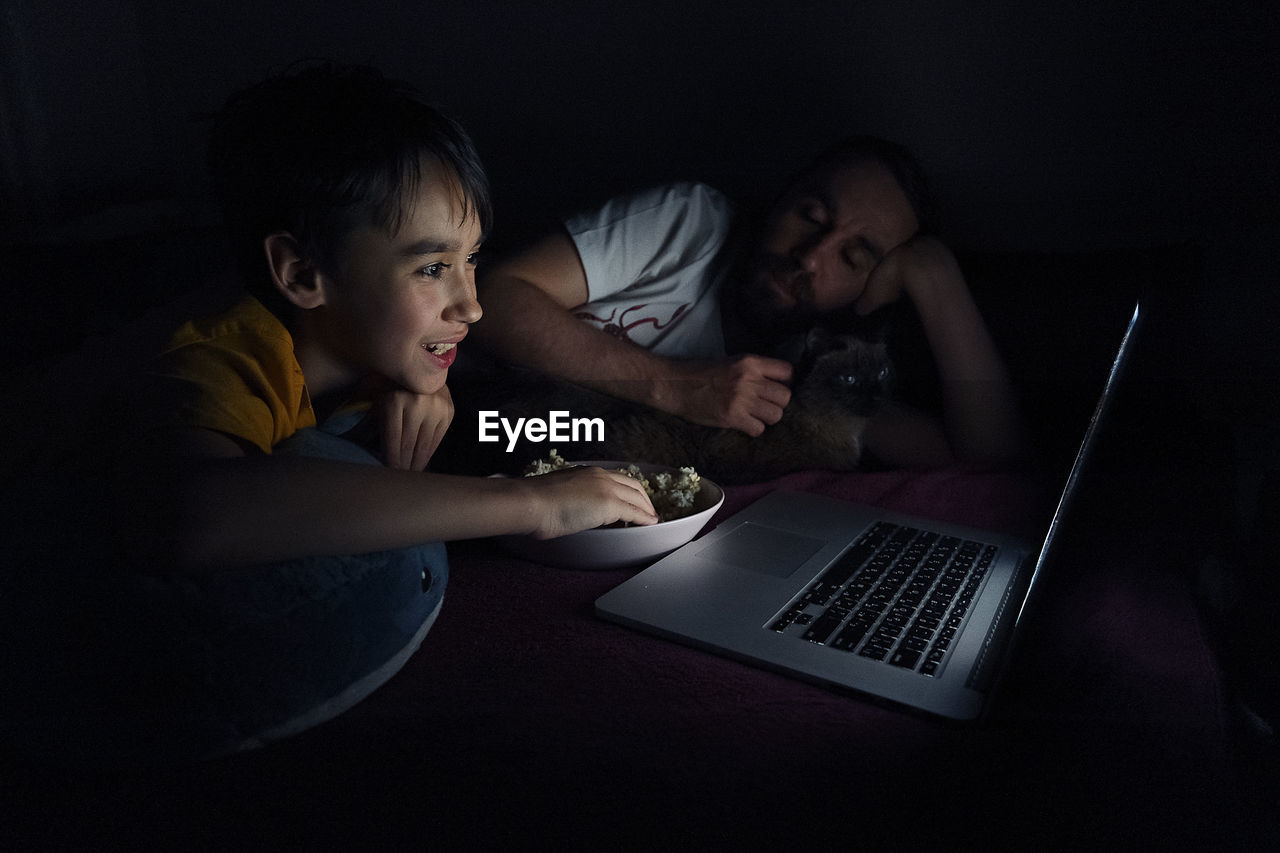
<point>438,349</point>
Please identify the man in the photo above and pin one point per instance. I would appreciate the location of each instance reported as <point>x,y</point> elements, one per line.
<point>671,270</point>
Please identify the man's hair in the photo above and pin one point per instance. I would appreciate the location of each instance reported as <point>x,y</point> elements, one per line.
<point>327,148</point>
<point>898,159</point>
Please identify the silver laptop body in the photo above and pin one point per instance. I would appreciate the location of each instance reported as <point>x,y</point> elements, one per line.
<point>793,582</point>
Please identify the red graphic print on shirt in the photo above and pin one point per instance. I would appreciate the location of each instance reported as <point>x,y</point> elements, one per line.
<point>623,326</point>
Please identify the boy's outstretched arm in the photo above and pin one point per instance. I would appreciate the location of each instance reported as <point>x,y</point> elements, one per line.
<point>198,502</point>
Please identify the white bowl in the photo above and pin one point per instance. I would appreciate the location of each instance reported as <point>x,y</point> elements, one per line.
<point>619,547</point>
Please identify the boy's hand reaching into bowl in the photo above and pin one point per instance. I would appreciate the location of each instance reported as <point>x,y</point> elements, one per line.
<point>576,499</point>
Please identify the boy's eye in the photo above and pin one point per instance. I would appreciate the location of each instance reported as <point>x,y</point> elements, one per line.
<point>473,259</point>
<point>434,270</point>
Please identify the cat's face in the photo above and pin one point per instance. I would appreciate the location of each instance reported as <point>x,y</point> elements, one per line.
<point>852,371</point>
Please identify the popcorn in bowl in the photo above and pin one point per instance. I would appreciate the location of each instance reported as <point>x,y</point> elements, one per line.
<point>672,493</point>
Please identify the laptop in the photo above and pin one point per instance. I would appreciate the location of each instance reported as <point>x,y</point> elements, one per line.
<point>899,607</point>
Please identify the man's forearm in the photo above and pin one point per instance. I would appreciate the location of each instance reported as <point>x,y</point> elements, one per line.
<point>981,417</point>
<point>533,324</point>
<point>524,325</point>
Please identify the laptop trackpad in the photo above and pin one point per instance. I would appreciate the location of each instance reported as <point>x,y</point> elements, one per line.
<point>762,549</point>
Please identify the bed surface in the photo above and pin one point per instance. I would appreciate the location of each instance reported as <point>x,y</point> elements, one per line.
<point>526,719</point>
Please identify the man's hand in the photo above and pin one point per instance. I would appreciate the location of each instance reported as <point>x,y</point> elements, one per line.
<point>746,393</point>
<point>908,267</point>
<point>412,426</point>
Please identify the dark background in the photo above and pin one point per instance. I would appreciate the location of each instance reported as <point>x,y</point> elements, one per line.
<point>1059,125</point>
<point>1057,128</point>
<point>1066,126</point>
<point>1056,124</point>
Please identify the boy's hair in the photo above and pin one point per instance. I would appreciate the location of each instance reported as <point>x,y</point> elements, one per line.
<point>320,151</point>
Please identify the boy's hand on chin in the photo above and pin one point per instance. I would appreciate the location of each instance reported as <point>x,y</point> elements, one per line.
<point>412,426</point>
<point>576,499</point>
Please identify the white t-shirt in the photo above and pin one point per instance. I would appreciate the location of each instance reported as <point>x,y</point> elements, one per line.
<point>655,268</point>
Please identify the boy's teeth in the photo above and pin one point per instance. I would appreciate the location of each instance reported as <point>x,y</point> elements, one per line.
<point>440,349</point>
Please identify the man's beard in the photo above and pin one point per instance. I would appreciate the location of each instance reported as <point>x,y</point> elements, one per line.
<point>761,310</point>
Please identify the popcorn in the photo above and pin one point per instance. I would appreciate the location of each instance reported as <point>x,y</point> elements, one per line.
<point>672,494</point>
<point>553,462</point>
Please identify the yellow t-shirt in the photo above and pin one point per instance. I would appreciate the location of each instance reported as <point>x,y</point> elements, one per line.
<point>235,373</point>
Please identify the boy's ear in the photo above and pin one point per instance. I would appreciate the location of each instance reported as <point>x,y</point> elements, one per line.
<point>295,276</point>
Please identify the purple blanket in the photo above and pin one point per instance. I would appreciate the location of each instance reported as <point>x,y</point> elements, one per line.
<point>525,720</point>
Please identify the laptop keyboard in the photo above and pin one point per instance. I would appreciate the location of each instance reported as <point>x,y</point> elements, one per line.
<point>898,595</point>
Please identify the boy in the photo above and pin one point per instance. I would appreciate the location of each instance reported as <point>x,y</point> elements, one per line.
<point>357,213</point>
<point>272,573</point>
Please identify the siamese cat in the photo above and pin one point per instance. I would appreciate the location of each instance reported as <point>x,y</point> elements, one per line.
<point>840,381</point>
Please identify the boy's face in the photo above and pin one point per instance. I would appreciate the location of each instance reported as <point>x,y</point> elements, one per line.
<point>398,305</point>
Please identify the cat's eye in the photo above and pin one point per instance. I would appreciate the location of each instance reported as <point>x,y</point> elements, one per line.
<point>883,374</point>
<point>848,378</point>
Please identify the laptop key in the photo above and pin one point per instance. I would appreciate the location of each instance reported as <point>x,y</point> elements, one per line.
<point>824,625</point>
<point>905,658</point>
<point>784,621</point>
<point>848,639</point>
<point>873,651</point>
